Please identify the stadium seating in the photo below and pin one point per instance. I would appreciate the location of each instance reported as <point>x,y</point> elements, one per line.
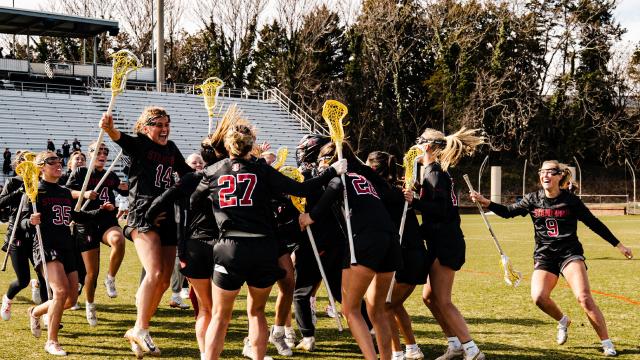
<point>28,119</point>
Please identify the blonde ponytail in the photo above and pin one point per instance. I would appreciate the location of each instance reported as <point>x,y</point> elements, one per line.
<point>448,150</point>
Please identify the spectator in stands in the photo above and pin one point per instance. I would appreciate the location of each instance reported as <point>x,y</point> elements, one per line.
<point>50,145</point>
<point>1,50</point>
<point>66,151</point>
<point>76,144</point>
<point>11,55</point>
<point>6,165</point>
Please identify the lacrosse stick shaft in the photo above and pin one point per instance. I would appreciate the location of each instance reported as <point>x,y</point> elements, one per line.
<point>104,177</point>
<point>484,217</point>
<point>210,124</point>
<point>94,155</point>
<point>332,301</point>
<point>400,232</point>
<point>41,250</point>
<point>13,231</point>
<point>347,214</point>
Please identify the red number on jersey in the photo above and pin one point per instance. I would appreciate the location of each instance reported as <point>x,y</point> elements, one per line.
<point>552,227</point>
<point>62,215</point>
<point>163,176</point>
<point>228,183</point>
<point>362,186</point>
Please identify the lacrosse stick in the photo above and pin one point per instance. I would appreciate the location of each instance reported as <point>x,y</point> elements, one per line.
<point>511,276</point>
<point>104,177</point>
<point>30,174</point>
<point>124,62</point>
<point>23,199</point>
<point>281,157</point>
<point>210,89</point>
<point>333,113</point>
<point>300,204</point>
<point>410,163</point>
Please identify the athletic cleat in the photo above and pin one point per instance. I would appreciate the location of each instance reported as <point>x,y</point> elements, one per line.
<point>92,319</point>
<point>290,338</point>
<point>137,350</point>
<point>478,356</point>
<point>54,348</point>
<point>398,356</point>
<point>451,354</point>
<point>34,323</point>
<point>110,284</point>
<point>248,352</point>
<point>184,293</point>
<point>143,339</point>
<point>35,292</point>
<point>413,354</point>
<point>307,344</point>
<point>5,311</point>
<point>76,306</point>
<point>280,344</point>
<point>609,351</point>
<point>330,312</point>
<point>177,302</point>
<point>563,333</point>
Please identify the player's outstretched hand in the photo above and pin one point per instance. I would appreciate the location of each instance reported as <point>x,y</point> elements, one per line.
<point>340,166</point>
<point>106,122</point>
<point>625,251</point>
<point>476,197</point>
<point>107,206</point>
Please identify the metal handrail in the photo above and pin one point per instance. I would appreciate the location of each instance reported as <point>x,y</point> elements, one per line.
<point>295,110</point>
<point>47,88</point>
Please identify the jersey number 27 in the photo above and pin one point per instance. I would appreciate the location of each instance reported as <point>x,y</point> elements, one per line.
<point>226,197</point>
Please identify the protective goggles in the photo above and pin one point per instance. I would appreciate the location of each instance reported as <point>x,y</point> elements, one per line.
<point>151,121</point>
<point>552,172</point>
<point>422,141</point>
<point>102,151</point>
<point>52,160</point>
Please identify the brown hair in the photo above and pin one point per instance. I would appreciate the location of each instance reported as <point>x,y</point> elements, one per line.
<point>448,150</point>
<point>148,113</point>
<point>239,140</point>
<point>19,157</point>
<point>215,141</point>
<point>384,164</point>
<point>74,154</point>
<point>347,152</point>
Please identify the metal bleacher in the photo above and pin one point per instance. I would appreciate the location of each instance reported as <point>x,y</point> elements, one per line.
<point>29,117</point>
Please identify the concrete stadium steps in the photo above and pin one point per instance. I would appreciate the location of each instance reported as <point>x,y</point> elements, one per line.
<point>189,119</point>
<point>28,119</point>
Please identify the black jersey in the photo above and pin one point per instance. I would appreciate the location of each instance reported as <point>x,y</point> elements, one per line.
<point>241,192</point>
<point>366,207</point>
<point>55,205</point>
<point>65,177</point>
<point>106,190</point>
<point>152,165</point>
<point>10,198</point>
<point>555,221</point>
<point>394,203</point>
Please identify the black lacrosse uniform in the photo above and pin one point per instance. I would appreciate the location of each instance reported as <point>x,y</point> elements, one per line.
<point>241,192</point>
<point>440,227</point>
<point>375,237</point>
<point>10,198</point>
<point>415,259</point>
<point>197,227</point>
<point>555,223</point>
<point>89,235</point>
<point>151,173</point>
<point>55,205</point>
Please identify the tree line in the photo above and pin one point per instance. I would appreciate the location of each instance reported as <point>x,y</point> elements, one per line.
<point>540,77</point>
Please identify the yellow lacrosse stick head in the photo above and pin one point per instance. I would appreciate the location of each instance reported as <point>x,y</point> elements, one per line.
<point>210,89</point>
<point>124,62</point>
<point>281,157</point>
<point>333,112</point>
<point>410,163</point>
<point>30,173</point>
<point>295,174</point>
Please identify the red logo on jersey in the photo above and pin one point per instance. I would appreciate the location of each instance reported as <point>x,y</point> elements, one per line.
<point>557,213</point>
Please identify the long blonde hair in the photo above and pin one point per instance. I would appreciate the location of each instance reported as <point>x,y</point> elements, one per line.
<point>147,113</point>
<point>567,176</point>
<point>239,140</point>
<point>215,140</point>
<point>448,150</point>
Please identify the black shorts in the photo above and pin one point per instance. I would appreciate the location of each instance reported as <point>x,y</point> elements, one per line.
<point>415,267</point>
<point>68,258</point>
<point>136,221</point>
<point>377,250</point>
<point>86,236</point>
<point>253,260</point>
<point>446,243</point>
<point>556,264</point>
<point>198,259</point>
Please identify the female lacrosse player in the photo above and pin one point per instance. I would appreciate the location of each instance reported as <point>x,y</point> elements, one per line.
<point>55,213</point>
<point>441,230</point>
<point>555,213</point>
<point>241,189</point>
<point>105,229</point>
<point>377,251</point>
<point>154,159</point>
<point>414,257</point>
<point>77,160</point>
<point>21,250</point>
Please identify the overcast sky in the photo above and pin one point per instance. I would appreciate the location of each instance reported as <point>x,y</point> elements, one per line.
<point>628,13</point>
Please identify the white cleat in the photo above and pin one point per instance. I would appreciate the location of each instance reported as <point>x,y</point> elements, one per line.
<point>563,333</point>
<point>609,351</point>
<point>452,354</point>
<point>184,293</point>
<point>478,356</point>
<point>177,302</point>
<point>290,338</point>
<point>92,319</point>
<point>413,354</point>
<point>280,344</point>
<point>307,344</point>
<point>54,348</point>
<point>398,356</point>
<point>76,306</point>
<point>247,351</point>
<point>5,311</point>
<point>34,323</point>
<point>110,285</point>
<point>144,341</point>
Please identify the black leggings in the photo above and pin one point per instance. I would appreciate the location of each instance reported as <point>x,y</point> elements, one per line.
<point>20,258</point>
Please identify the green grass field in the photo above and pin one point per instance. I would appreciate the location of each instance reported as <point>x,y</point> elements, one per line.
<point>503,321</point>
